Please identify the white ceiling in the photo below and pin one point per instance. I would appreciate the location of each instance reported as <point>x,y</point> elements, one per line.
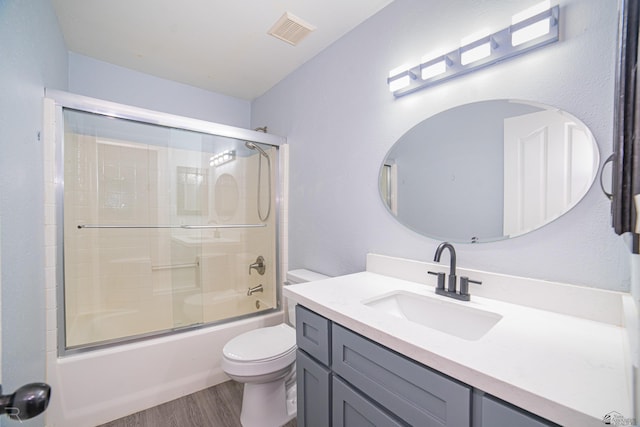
<point>217,45</point>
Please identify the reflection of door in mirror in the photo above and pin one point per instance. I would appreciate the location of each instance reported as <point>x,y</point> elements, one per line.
<point>547,168</point>
<point>389,186</point>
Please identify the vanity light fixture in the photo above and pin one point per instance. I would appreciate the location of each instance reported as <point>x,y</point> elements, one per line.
<point>530,29</point>
<point>222,158</point>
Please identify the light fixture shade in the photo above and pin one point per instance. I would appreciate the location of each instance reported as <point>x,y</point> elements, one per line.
<point>433,69</point>
<point>475,52</point>
<point>401,80</point>
<point>528,32</point>
<point>399,83</point>
<point>531,32</point>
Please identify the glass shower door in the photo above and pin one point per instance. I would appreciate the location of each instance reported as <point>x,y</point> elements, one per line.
<point>161,226</point>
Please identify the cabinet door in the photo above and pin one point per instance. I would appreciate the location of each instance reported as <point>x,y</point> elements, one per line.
<point>351,409</point>
<point>418,395</point>
<point>313,382</point>
<point>491,412</point>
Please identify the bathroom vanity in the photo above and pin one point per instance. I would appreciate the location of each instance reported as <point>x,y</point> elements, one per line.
<point>365,357</point>
<point>359,381</point>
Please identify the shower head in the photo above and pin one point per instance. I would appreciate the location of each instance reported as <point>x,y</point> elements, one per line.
<point>254,146</point>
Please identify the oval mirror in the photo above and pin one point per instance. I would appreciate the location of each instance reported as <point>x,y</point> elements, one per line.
<point>488,171</point>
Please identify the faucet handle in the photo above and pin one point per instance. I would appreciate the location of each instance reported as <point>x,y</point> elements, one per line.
<point>464,284</point>
<point>440,284</point>
<point>258,266</point>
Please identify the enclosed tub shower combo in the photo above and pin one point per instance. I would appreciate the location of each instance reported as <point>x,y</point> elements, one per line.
<point>161,229</point>
<point>162,225</point>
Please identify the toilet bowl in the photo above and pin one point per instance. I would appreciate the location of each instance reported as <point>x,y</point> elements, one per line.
<point>264,361</point>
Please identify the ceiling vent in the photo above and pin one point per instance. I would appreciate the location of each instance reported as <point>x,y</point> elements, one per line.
<point>291,29</point>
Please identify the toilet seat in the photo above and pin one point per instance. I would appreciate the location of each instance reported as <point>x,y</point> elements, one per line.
<point>261,345</point>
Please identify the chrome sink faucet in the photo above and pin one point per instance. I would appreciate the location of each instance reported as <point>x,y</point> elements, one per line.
<point>451,285</point>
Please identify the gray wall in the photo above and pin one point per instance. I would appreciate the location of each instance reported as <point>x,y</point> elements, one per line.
<point>341,120</point>
<point>98,79</point>
<point>34,56</point>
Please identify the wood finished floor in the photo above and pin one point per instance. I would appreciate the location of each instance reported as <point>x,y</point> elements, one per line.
<point>217,406</point>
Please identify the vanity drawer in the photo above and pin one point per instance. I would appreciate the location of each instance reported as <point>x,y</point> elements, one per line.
<point>351,409</point>
<point>492,412</point>
<point>402,386</point>
<point>313,334</point>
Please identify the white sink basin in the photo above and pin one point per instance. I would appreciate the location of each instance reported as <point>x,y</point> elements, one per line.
<point>456,319</point>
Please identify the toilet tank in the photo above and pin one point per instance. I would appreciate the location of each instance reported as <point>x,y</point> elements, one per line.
<point>299,276</point>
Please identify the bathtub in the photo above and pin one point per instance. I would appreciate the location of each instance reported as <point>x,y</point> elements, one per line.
<point>96,387</point>
<point>216,306</point>
<point>195,308</point>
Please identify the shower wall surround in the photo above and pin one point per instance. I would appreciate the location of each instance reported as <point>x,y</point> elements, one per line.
<point>349,120</point>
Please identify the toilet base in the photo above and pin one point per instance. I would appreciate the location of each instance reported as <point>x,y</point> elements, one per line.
<point>269,404</point>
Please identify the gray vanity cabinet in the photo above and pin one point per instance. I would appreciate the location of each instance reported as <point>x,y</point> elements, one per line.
<point>313,375</point>
<point>414,393</point>
<point>314,390</point>
<point>347,380</point>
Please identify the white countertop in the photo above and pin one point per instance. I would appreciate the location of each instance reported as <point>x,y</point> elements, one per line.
<point>567,369</point>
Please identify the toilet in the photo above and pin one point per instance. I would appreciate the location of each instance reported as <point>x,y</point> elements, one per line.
<point>264,361</point>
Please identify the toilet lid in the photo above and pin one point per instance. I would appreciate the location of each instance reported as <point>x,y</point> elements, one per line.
<point>261,344</point>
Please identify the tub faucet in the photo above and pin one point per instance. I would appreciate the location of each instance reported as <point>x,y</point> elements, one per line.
<point>255,289</point>
<point>451,286</point>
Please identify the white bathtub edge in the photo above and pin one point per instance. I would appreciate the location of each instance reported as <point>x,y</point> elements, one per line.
<point>97,387</point>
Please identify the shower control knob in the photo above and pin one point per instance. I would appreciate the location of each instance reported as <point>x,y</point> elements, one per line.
<point>258,266</point>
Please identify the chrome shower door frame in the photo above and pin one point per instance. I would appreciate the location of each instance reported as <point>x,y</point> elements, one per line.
<point>57,101</point>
